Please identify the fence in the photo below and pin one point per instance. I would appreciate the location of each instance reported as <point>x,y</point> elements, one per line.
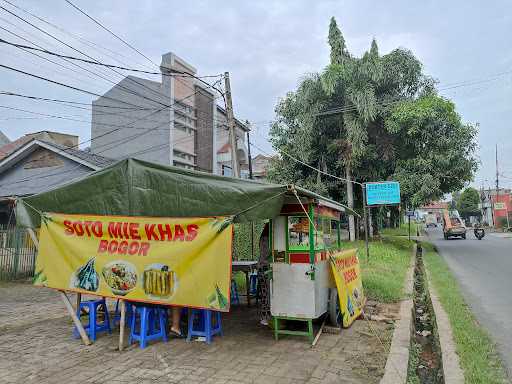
<point>17,254</point>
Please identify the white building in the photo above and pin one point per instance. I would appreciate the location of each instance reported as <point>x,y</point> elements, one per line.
<point>172,122</point>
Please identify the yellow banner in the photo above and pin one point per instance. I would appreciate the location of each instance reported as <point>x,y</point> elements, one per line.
<point>347,274</point>
<point>175,261</point>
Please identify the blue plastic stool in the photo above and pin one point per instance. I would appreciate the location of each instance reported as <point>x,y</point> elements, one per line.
<point>93,327</point>
<point>129,313</point>
<point>253,283</point>
<point>200,324</point>
<point>234,293</point>
<point>152,324</point>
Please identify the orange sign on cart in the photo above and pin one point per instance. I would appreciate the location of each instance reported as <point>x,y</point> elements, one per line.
<point>347,275</point>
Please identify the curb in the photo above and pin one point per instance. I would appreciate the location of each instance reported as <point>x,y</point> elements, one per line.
<point>451,363</point>
<point>395,371</point>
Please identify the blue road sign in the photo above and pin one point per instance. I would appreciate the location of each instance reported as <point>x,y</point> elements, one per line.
<point>383,193</point>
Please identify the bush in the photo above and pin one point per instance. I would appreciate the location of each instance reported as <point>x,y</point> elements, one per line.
<point>242,240</point>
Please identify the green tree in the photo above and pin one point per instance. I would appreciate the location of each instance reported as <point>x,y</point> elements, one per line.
<point>370,118</point>
<point>435,150</point>
<point>467,204</point>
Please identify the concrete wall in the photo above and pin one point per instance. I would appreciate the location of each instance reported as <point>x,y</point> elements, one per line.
<point>39,172</point>
<point>125,131</point>
<point>205,148</point>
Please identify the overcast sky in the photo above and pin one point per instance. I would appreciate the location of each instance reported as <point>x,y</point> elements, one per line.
<point>267,47</point>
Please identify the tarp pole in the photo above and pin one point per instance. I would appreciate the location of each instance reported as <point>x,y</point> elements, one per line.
<point>76,320</point>
<point>122,324</point>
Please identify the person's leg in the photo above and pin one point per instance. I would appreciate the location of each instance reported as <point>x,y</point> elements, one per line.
<point>176,317</point>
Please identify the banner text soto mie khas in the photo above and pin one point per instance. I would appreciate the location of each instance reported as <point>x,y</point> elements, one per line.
<point>126,238</point>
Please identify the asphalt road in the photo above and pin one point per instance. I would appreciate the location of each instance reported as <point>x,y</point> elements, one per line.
<point>483,269</point>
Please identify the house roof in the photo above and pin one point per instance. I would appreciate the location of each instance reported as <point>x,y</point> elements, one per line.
<point>225,148</point>
<point>90,160</point>
<point>8,148</point>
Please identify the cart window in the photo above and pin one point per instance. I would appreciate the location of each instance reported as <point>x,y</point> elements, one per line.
<point>334,233</point>
<point>298,232</point>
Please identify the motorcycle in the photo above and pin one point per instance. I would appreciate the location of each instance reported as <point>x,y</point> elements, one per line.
<point>479,233</point>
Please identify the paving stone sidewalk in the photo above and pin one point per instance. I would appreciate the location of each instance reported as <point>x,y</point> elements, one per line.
<point>36,347</point>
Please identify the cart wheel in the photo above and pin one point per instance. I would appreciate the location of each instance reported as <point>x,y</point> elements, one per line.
<point>335,315</point>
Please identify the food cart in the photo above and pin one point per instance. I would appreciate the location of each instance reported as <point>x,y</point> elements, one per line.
<point>303,288</point>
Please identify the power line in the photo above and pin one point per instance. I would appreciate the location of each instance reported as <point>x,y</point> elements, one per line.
<point>90,57</point>
<point>174,73</point>
<point>6,93</point>
<point>114,55</point>
<point>131,46</point>
<point>51,61</point>
<point>109,31</point>
<point>307,165</point>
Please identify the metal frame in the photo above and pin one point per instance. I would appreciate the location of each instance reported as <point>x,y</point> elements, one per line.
<point>308,333</point>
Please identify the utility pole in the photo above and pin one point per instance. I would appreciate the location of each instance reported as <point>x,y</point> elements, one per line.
<point>249,149</point>
<point>232,126</point>
<point>365,221</point>
<point>250,177</point>
<point>497,189</point>
<point>497,175</point>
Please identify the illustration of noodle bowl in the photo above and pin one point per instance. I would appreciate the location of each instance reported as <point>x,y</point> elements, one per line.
<point>159,282</point>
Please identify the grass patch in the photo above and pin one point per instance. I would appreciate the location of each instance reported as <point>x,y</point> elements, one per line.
<point>239,278</point>
<point>384,275</point>
<point>476,351</point>
<point>403,230</point>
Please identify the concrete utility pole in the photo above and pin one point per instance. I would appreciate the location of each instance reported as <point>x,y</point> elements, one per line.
<point>232,126</point>
<point>497,175</point>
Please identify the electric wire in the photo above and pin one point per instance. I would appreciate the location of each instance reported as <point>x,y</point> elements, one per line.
<point>128,78</point>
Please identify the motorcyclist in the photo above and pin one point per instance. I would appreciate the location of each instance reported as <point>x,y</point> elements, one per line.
<point>478,230</point>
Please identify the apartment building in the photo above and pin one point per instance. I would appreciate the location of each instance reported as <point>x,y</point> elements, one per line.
<point>175,121</point>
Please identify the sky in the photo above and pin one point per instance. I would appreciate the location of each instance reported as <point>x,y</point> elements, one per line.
<point>267,47</point>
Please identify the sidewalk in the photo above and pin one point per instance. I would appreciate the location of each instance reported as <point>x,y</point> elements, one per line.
<point>36,346</point>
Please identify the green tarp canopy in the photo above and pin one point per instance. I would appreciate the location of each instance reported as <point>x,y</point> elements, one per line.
<point>138,188</point>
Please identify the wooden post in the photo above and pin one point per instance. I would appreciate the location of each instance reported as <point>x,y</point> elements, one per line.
<point>122,324</point>
<point>78,301</point>
<point>75,318</point>
<point>33,236</point>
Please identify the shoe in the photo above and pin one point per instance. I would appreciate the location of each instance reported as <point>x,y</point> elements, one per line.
<point>264,322</point>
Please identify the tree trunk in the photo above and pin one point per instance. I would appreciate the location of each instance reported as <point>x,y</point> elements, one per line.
<point>350,202</point>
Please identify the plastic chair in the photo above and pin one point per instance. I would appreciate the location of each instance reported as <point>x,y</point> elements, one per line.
<point>152,324</point>
<point>201,323</point>
<point>235,299</point>
<point>93,326</point>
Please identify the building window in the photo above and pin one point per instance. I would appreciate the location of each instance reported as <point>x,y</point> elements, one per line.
<point>227,170</point>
